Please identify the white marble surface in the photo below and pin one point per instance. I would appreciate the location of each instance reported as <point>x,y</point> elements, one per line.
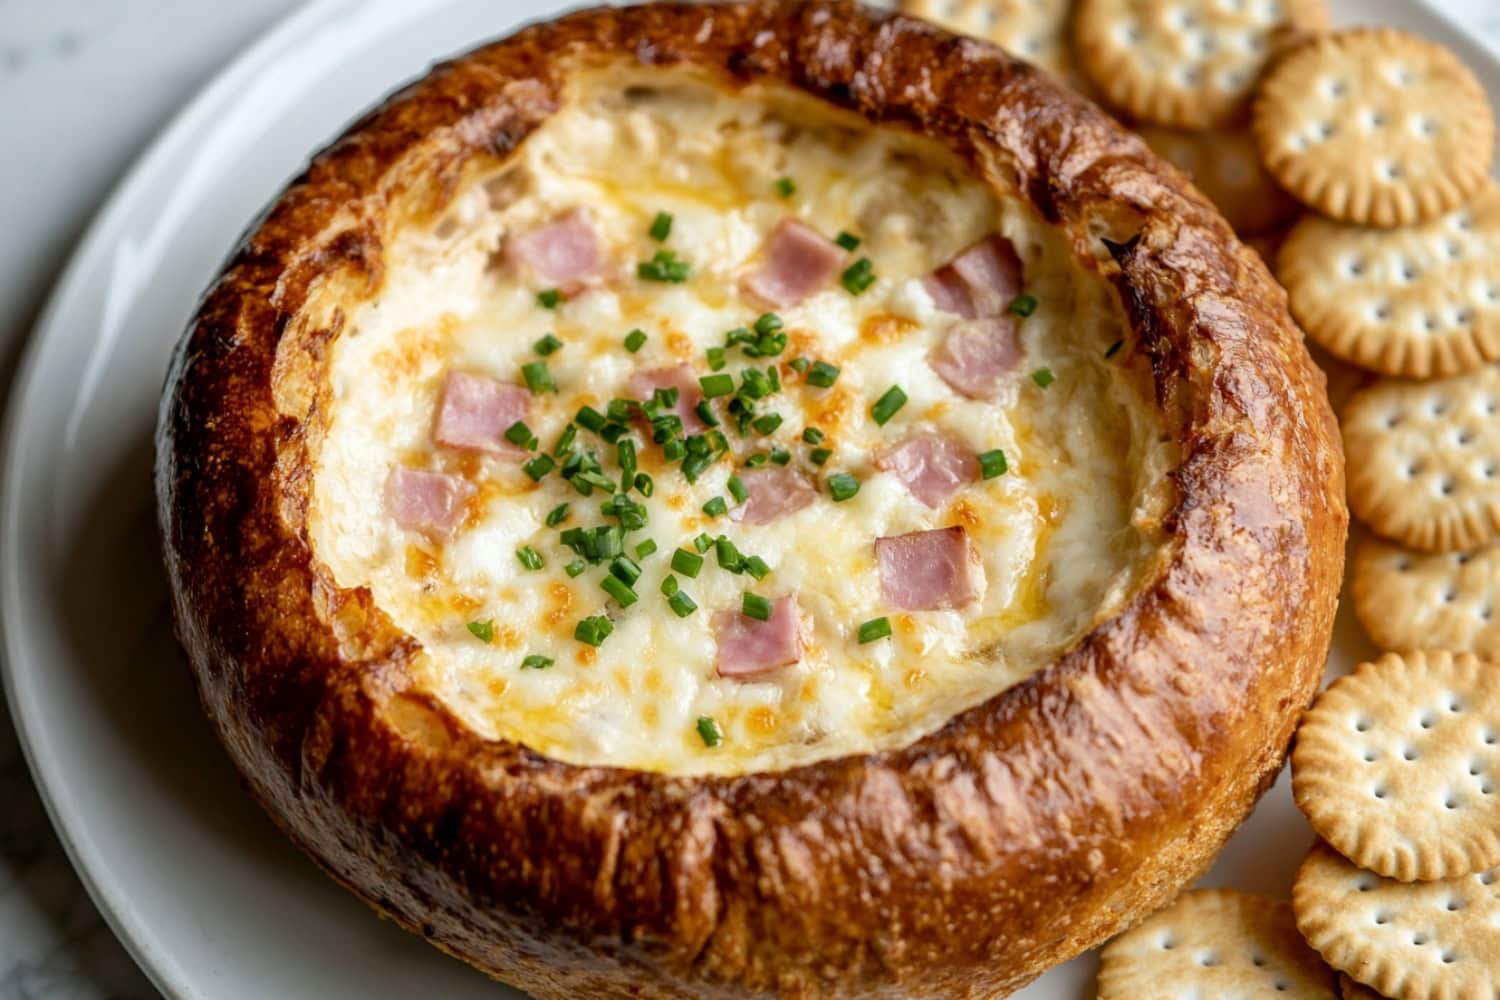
<point>83,86</point>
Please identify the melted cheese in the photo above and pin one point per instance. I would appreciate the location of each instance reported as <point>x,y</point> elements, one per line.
<point>1057,536</point>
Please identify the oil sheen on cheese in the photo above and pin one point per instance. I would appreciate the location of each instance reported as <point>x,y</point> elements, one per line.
<point>1062,533</point>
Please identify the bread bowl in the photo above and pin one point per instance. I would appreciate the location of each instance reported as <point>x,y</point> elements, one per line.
<point>1039,782</point>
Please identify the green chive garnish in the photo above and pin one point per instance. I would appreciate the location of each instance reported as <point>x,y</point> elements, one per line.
<point>1043,377</point>
<point>557,515</point>
<point>766,424</point>
<point>575,568</point>
<point>754,606</point>
<point>757,567</point>
<point>661,226</point>
<point>737,489</point>
<point>819,455</point>
<point>822,374</point>
<point>626,569</point>
<point>687,563</point>
<point>619,590</point>
<point>1024,305</point>
<point>643,484</point>
<point>875,628</point>
<point>842,486</point>
<point>682,604</point>
<point>594,629</point>
<point>859,276</point>
<point>518,433</point>
<point>547,345</point>
<point>992,464</point>
<point>715,357</point>
<point>529,557</point>
<point>717,385</point>
<point>812,435</point>
<point>635,340</point>
<point>847,240</point>
<point>729,557</point>
<point>590,419</point>
<point>886,406</point>
<point>548,299</point>
<point>800,365</point>
<point>786,187</point>
<point>565,440</point>
<point>716,507</point>
<point>1114,348</point>
<point>645,548</point>
<point>780,456</point>
<point>538,377</point>
<point>703,543</point>
<point>483,631</point>
<point>536,661</point>
<point>708,731</point>
<point>663,266</point>
<point>539,466</point>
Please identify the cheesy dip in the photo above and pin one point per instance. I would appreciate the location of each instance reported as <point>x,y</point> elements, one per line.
<point>716,432</point>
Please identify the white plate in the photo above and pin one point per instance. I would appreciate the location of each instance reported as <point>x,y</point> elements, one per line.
<point>209,898</point>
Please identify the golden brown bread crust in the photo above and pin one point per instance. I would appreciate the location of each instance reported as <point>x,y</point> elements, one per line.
<point>1024,831</point>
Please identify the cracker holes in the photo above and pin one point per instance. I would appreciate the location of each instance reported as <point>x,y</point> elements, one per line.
<point>1208,959</point>
<point>1418,939</point>
<point>1333,89</point>
<point>1487,878</point>
<point>1462,438</point>
<point>1426,721</point>
<point>1453,904</point>
<point>1361,725</point>
<point>1379,792</point>
<point>1445,488</point>
<point>1364,883</point>
<point>1388,171</point>
<point>1424,127</point>
<point>1453,249</point>
<point>1487,470</point>
<point>1381,918</point>
<point>1380,311</point>
<point>1129,34</point>
<point>1398,75</point>
<point>1373,119</point>
<point>1408,753</point>
<point>1233,80</point>
<point>1484,612</point>
<point>1447,958</point>
<point>1187,76</point>
<point>1259,961</point>
<point>1167,942</point>
<point>1181,18</point>
<point>1354,267</point>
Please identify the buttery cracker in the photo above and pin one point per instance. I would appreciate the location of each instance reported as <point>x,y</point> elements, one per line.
<point>1374,126</point>
<point>1214,942</point>
<point>1034,30</point>
<point>1428,600</point>
<point>1226,167</point>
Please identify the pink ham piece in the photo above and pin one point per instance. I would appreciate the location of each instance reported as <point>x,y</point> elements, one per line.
<point>564,252</point>
<point>983,280</point>
<point>933,467</point>
<point>749,647</point>
<point>475,411</point>
<point>929,570</point>
<point>976,355</point>
<point>429,502</point>
<point>798,261</point>
<point>643,385</point>
<point>772,492</point>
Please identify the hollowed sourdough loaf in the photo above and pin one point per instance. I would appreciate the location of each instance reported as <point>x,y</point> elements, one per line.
<point>1023,831</point>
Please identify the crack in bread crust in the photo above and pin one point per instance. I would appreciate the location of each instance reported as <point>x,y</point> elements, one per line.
<point>1022,832</point>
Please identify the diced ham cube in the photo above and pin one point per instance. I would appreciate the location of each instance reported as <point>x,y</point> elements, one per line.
<point>475,411</point>
<point>429,502</point>
<point>983,280</point>
<point>798,260</point>
<point>928,570</point>
<point>680,377</point>
<point>933,467</point>
<point>750,648</point>
<point>564,252</point>
<point>772,492</point>
<point>976,355</point>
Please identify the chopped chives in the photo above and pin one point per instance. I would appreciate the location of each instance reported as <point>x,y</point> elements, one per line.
<point>519,433</point>
<point>1114,348</point>
<point>875,628</point>
<point>693,466</point>
<point>756,460</point>
<point>661,226</point>
<point>757,567</point>
<point>625,455</point>
<point>812,435</point>
<point>536,661</point>
<point>992,464</point>
<point>590,419</point>
<point>557,515</point>
<point>820,455</point>
<point>886,406</point>
<point>703,543</point>
<point>706,413</point>
<point>715,357</point>
<point>565,439</point>
<point>538,377</point>
<point>673,450</point>
<point>729,557</point>
<point>754,606</point>
<point>780,456</point>
<point>635,340</point>
<point>786,187</point>
<point>737,489</point>
<point>800,365</point>
<point>717,385</point>
<point>483,631</point>
<point>1043,377</point>
<point>613,432</point>
<point>859,276</point>
<point>547,345</point>
<point>767,423</point>
<point>822,374</point>
<point>619,590</point>
<point>1023,305</point>
<point>708,731</point>
<point>669,585</point>
<point>645,548</point>
<point>643,484</point>
<point>594,629</point>
<point>529,557</point>
<point>575,568</point>
<point>768,323</point>
<point>842,486</point>
<point>716,507</point>
<point>687,563</point>
<point>539,466</point>
<point>626,569</point>
<point>847,240</point>
<point>665,267</point>
<point>548,299</point>
<point>682,604</point>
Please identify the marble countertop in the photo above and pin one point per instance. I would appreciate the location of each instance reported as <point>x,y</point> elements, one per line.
<point>85,84</point>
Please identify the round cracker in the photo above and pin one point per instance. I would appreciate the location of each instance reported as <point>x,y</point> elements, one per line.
<point>1397,765</point>
<point>1226,167</point>
<point>1374,126</point>
<point>1034,30</point>
<point>1424,459</point>
<point>1426,600</point>
<point>1351,990</point>
<point>1413,940</point>
<point>1419,301</point>
<point>1185,65</point>
<point>1214,942</point>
